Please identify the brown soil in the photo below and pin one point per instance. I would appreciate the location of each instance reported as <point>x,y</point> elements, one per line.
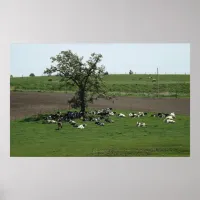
<point>28,103</point>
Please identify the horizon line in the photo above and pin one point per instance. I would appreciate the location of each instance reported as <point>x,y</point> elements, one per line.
<point>114,74</point>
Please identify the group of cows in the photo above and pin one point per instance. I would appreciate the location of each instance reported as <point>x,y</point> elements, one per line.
<point>100,117</point>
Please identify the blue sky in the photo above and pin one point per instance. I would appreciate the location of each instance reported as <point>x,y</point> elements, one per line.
<point>170,58</point>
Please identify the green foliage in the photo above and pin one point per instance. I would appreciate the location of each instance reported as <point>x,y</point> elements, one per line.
<point>32,75</point>
<point>86,78</point>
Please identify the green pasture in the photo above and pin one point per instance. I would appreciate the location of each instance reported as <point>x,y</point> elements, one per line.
<point>122,138</point>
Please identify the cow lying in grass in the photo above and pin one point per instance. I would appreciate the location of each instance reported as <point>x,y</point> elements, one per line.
<point>50,121</point>
<point>164,115</point>
<point>82,126</point>
<point>139,114</point>
<point>121,115</point>
<point>140,124</point>
<point>170,121</point>
<point>109,120</point>
<point>100,123</point>
<point>171,116</point>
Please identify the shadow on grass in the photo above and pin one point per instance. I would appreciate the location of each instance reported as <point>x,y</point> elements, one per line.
<point>35,118</point>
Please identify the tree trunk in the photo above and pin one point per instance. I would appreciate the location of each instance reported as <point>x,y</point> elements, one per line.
<point>83,108</point>
<point>82,99</point>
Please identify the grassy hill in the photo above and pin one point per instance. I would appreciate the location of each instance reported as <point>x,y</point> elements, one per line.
<point>122,84</point>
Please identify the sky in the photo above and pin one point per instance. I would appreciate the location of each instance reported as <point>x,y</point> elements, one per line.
<point>169,58</point>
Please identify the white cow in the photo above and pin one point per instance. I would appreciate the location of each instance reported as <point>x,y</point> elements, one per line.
<point>170,121</point>
<point>82,126</point>
<point>169,117</point>
<point>130,114</point>
<point>173,115</point>
<point>111,113</point>
<point>51,121</point>
<point>121,115</point>
<point>139,124</point>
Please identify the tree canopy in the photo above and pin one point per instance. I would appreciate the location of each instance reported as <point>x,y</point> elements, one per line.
<point>87,76</point>
<point>32,74</point>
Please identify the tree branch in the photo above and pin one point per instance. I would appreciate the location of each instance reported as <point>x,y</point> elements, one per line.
<point>89,72</point>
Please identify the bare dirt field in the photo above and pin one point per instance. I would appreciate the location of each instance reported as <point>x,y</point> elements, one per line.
<point>29,103</point>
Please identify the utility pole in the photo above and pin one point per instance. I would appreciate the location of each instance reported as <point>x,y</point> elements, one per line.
<point>157,83</point>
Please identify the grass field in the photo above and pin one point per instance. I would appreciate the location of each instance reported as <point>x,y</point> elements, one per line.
<point>121,138</point>
<point>127,85</point>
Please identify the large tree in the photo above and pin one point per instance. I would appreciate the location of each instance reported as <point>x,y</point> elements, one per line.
<point>87,77</point>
